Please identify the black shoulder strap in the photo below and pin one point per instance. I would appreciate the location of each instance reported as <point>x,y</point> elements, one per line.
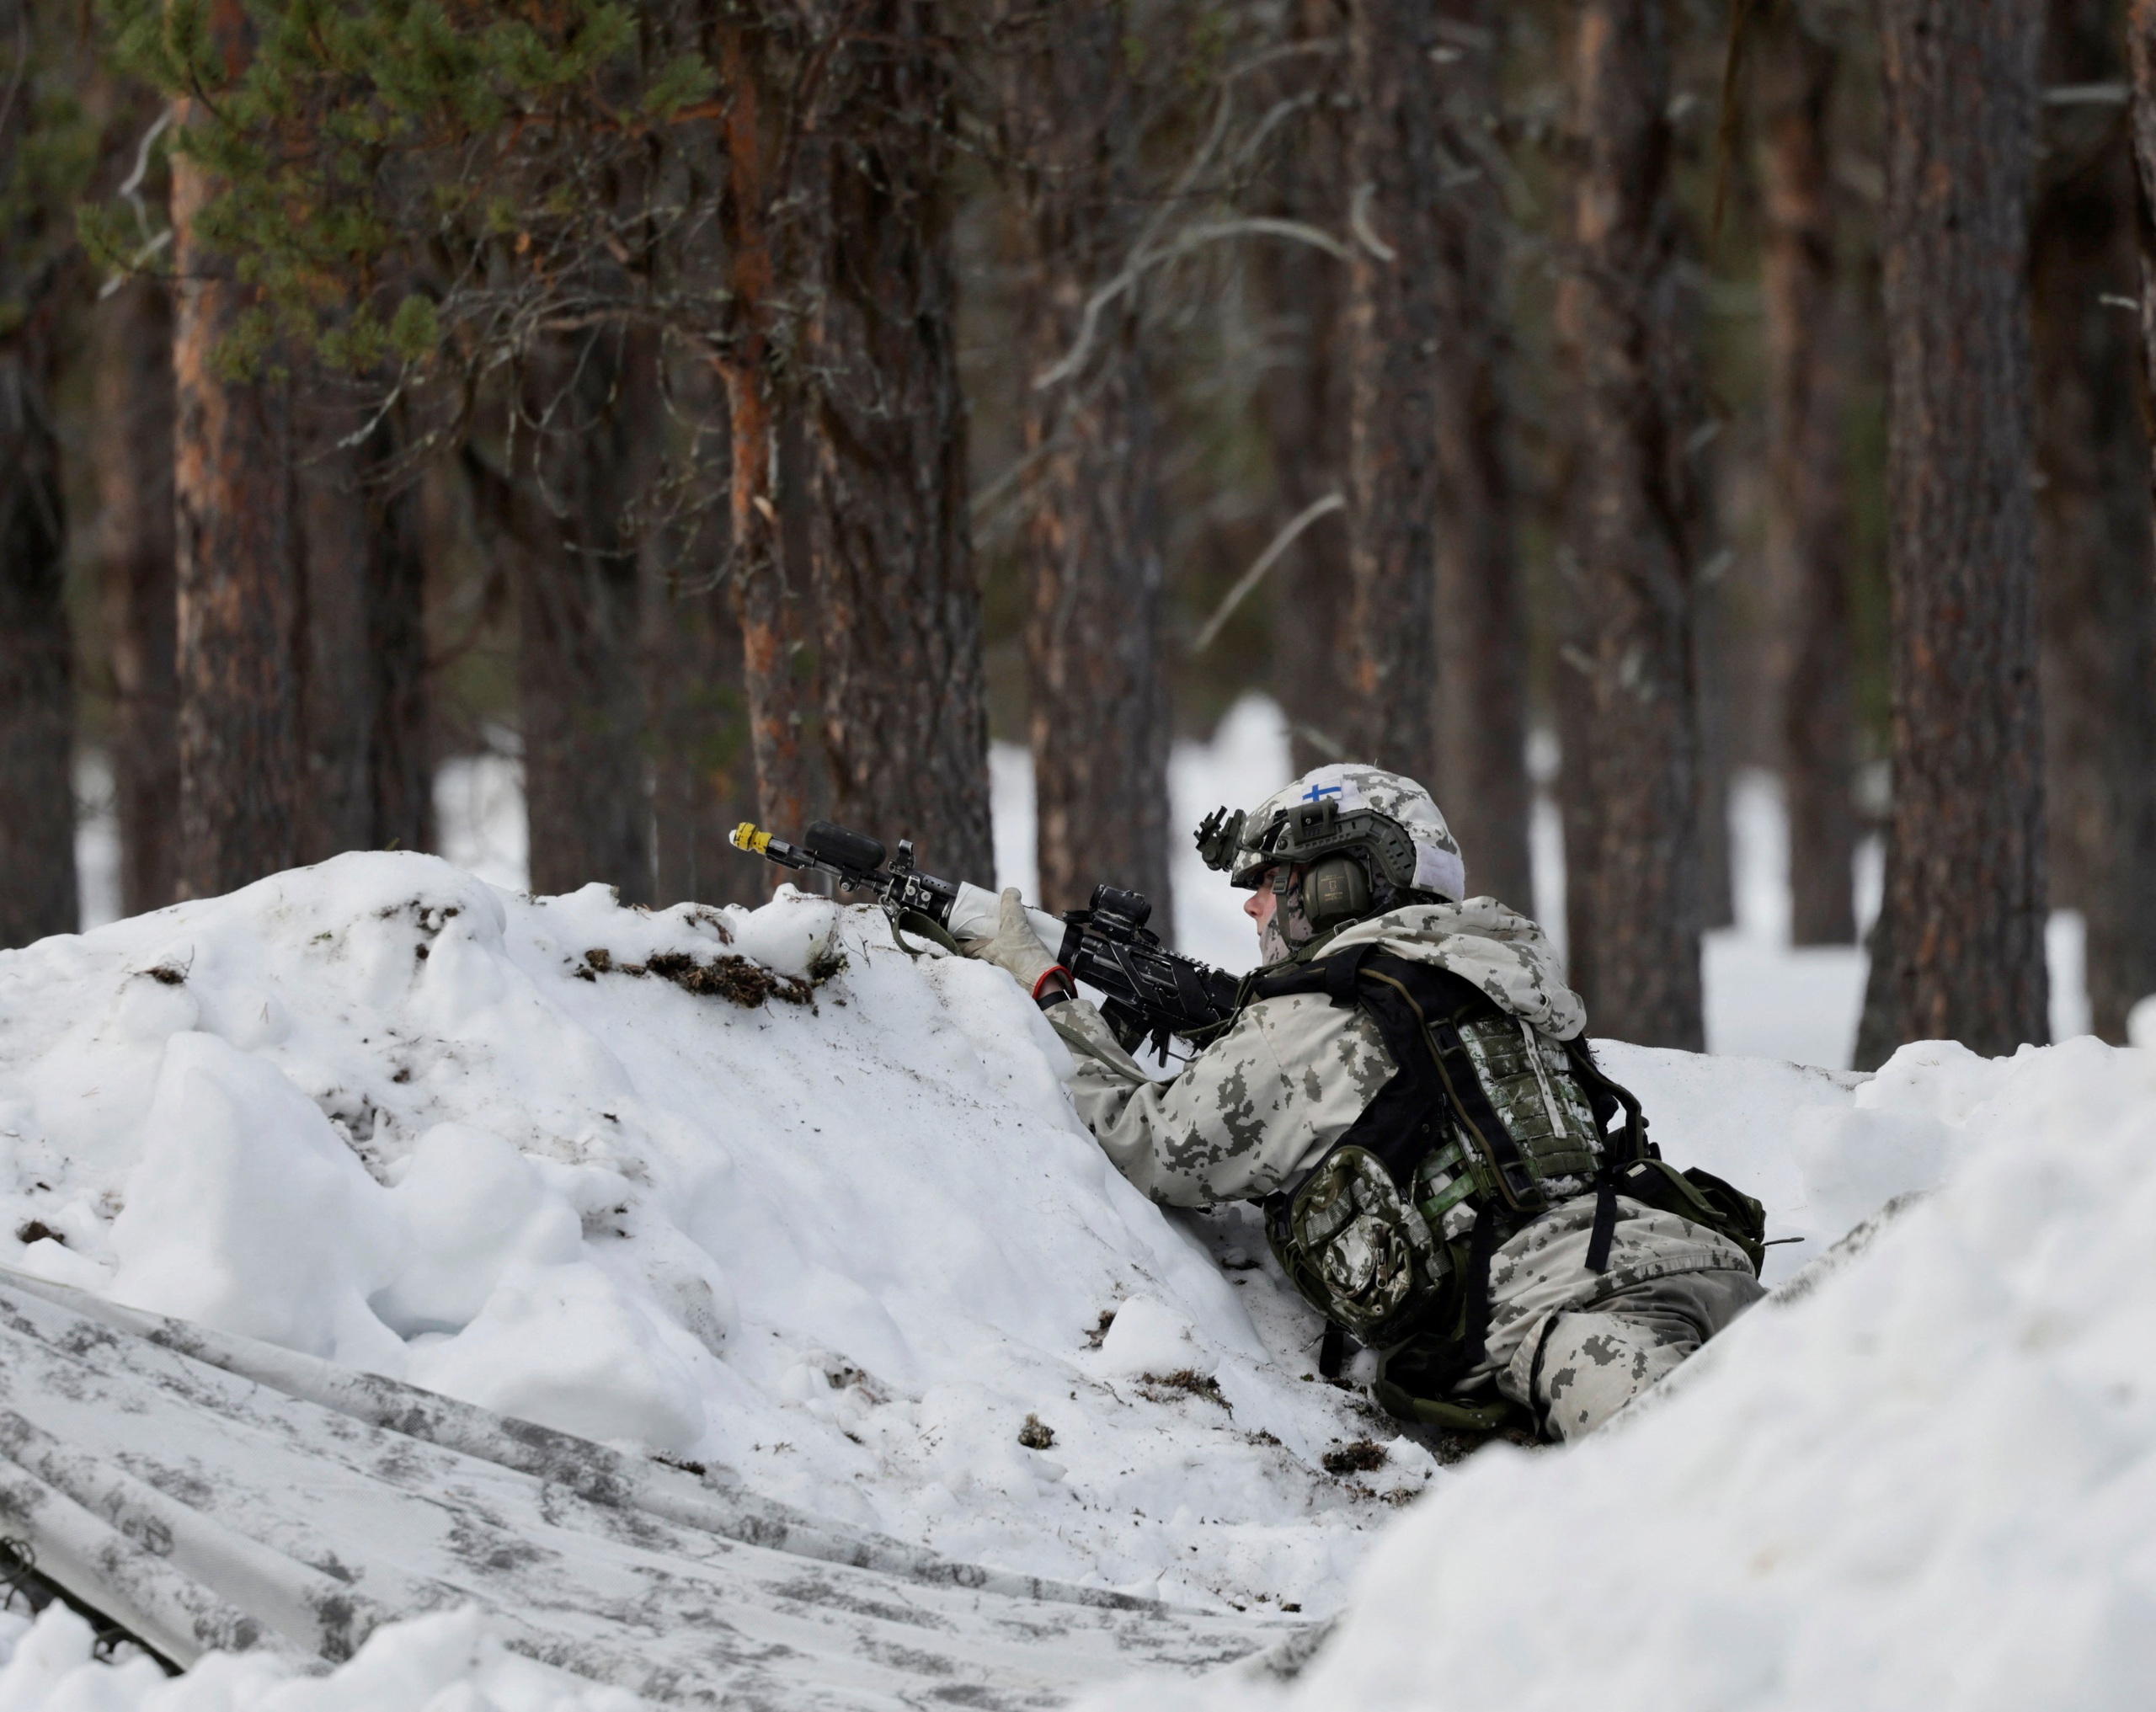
<point>1619,1152</point>
<point>1333,976</point>
<point>1419,1007</point>
<point>1399,1126</point>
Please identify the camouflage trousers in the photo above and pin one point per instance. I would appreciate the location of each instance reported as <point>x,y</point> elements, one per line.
<point>1583,1366</point>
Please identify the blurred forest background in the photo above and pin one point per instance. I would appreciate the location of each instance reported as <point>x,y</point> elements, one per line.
<point>741,409</point>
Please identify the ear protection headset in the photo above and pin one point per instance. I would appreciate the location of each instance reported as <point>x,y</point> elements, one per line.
<point>1336,889</point>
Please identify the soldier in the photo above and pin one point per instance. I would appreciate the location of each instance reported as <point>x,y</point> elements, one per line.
<point>1446,1174</point>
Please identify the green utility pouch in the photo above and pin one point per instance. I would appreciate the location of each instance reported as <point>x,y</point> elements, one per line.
<point>1357,1250</point>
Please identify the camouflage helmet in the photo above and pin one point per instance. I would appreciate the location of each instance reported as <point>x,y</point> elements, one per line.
<point>1387,818</point>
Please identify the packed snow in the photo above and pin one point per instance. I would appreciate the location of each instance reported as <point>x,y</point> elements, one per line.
<point>846,1239</point>
<point>450,1661</point>
<point>1927,1479</point>
<point>760,1188</point>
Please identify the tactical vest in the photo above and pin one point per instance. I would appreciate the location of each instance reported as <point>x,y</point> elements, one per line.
<point>1483,1111</point>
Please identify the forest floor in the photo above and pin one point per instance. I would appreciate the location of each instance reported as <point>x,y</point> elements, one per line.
<point>757,1189</point>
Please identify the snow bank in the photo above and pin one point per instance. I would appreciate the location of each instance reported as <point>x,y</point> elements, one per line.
<point>1925,1474</point>
<point>847,1238</point>
<point>447,1662</point>
<point>756,1188</point>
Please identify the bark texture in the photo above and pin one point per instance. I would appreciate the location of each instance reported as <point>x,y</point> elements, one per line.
<point>1304,404</point>
<point>1097,689</point>
<point>133,453</point>
<point>37,709</point>
<point>1635,906</point>
<point>1808,537</point>
<point>703,782</point>
<point>1393,327</point>
<point>1959,950</point>
<point>236,570</point>
<point>1480,776</point>
<point>757,572</point>
<point>364,701</point>
<point>1715,700</point>
<point>906,720</point>
<point>2097,575</point>
<point>576,614</point>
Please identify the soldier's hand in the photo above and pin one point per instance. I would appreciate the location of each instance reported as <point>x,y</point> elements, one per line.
<point>1016,948</point>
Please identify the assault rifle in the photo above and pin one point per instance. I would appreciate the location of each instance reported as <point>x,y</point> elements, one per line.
<point>1148,992</point>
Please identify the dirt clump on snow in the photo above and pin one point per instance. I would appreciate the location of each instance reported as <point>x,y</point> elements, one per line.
<point>1036,1434</point>
<point>1187,1380</point>
<point>1363,1457</point>
<point>747,984</point>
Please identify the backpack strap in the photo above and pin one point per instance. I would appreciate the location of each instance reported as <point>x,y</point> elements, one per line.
<point>1333,976</point>
<point>1418,1016</point>
<point>1415,1006</point>
<point>1333,1351</point>
<point>1620,1152</point>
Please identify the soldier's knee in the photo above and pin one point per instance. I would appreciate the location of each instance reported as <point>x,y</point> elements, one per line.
<point>1588,1366</point>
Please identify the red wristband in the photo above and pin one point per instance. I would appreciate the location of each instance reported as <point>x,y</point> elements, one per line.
<point>1053,969</point>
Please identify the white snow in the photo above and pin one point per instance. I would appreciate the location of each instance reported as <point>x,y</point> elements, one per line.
<point>447,1662</point>
<point>382,1112</point>
<point>1928,1480</point>
<point>388,1113</point>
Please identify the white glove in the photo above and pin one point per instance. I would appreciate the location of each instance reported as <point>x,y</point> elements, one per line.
<point>1016,948</point>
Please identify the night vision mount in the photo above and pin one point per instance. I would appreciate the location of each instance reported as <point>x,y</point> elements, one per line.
<point>1307,832</point>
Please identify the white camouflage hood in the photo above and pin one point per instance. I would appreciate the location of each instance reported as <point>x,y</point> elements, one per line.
<point>1506,957</point>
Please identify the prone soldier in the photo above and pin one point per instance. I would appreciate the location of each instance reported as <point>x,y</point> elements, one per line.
<point>1446,1175</point>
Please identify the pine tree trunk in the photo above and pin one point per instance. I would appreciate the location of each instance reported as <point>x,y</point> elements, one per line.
<point>1302,401</point>
<point>1714,702</point>
<point>236,569</point>
<point>1481,777</point>
<point>37,707</point>
<point>2097,577</point>
<point>1636,919</point>
<point>1959,953</point>
<point>1394,331</point>
<point>905,721</point>
<point>2138,820</point>
<point>1576,800</point>
<point>1808,536</point>
<point>401,767</point>
<point>702,778</point>
<point>763,613</point>
<point>133,453</point>
<point>702,787</point>
<point>336,703</point>
<point>1096,679</point>
<point>578,618</point>
<point>364,702</point>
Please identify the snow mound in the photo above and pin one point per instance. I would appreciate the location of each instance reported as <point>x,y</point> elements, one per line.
<point>450,1661</point>
<point>1923,1473</point>
<point>753,1188</point>
<point>757,1188</point>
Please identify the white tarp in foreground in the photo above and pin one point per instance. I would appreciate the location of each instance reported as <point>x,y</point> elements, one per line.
<point>212,1493</point>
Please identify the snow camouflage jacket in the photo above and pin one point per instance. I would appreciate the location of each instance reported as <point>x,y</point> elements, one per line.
<point>1253,1112</point>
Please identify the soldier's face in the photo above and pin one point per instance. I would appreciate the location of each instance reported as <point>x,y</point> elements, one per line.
<point>1261,904</point>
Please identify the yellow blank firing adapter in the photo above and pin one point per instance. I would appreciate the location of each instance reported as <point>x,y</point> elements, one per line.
<point>746,837</point>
